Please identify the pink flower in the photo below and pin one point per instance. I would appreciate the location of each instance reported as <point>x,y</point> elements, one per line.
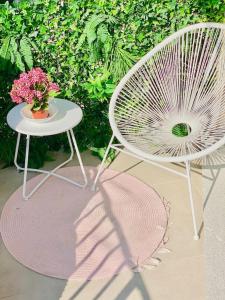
<point>23,92</point>
<point>24,76</point>
<point>15,98</point>
<point>53,87</point>
<point>30,97</point>
<point>39,95</point>
<point>32,87</point>
<point>37,75</point>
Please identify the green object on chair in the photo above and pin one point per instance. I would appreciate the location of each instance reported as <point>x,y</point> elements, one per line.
<point>181,130</point>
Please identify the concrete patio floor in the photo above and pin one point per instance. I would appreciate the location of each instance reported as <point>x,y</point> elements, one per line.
<point>180,276</point>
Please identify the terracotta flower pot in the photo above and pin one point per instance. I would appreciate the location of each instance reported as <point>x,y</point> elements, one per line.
<point>40,114</point>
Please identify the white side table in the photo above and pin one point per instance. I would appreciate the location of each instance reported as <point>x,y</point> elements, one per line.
<point>69,115</point>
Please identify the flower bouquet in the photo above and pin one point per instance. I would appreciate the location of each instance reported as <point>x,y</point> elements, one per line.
<point>36,89</point>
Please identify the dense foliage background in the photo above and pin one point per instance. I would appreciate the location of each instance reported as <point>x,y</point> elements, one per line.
<point>86,46</point>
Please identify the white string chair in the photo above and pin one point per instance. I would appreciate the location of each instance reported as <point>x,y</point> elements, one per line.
<point>170,107</point>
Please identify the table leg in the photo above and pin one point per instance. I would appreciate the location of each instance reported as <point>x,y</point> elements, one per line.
<point>16,151</point>
<point>73,146</point>
<point>25,167</point>
<point>79,157</point>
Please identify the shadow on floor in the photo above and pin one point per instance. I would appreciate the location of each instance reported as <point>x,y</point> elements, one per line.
<point>136,282</point>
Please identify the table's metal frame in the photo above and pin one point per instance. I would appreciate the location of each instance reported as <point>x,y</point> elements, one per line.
<point>73,146</point>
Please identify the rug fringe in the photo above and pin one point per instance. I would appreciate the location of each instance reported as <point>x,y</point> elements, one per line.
<point>152,262</point>
<point>164,250</point>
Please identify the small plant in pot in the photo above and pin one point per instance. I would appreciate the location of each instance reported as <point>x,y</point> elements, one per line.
<point>35,88</point>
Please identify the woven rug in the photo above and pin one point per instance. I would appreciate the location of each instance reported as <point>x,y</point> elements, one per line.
<point>71,233</point>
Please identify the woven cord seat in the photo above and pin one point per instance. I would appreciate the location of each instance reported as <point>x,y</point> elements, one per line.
<point>170,107</point>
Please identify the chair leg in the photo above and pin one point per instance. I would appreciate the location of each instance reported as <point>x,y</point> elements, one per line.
<point>196,236</point>
<point>102,164</point>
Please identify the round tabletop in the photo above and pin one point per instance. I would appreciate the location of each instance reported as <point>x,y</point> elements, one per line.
<point>68,116</point>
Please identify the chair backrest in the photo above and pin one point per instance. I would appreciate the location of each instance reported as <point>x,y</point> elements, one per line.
<point>171,105</point>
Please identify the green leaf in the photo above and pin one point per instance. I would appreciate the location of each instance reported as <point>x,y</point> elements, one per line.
<point>100,152</point>
<point>4,51</point>
<point>13,50</point>
<point>33,45</point>
<point>121,62</point>
<point>91,30</point>
<point>36,106</point>
<point>103,33</point>
<point>91,36</point>
<point>19,63</point>
<point>91,26</point>
<point>25,50</point>
<point>53,93</point>
<point>44,106</point>
<point>111,19</point>
<point>81,40</point>
<point>105,38</point>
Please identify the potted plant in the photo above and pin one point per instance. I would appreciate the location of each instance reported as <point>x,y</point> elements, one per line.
<point>35,88</point>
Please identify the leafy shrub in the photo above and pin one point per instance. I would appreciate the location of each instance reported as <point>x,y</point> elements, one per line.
<point>17,52</point>
<point>86,47</point>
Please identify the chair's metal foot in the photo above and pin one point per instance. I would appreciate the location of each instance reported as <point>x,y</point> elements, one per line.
<point>93,188</point>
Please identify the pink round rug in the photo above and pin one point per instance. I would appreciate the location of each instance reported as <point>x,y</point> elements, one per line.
<point>72,233</point>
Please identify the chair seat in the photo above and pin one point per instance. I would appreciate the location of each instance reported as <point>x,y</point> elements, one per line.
<point>174,136</point>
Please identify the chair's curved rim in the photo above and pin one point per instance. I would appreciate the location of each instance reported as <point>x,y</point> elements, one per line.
<point>123,81</point>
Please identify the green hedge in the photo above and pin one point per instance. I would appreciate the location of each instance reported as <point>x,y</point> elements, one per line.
<point>76,42</point>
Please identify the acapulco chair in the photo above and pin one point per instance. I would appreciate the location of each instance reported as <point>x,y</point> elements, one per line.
<point>170,107</point>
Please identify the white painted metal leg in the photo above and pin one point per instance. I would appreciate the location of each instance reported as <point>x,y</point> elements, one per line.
<point>71,146</point>
<point>79,157</point>
<point>52,172</point>
<point>44,171</point>
<point>196,236</point>
<point>16,151</point>
<point>102,163</point>
<point>25,197</point>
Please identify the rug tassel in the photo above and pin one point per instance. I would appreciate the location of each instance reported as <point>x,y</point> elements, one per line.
<point>149,267</point>
<point>164,250</point>
<point>155,261</point>
<point>166,205</point>
<point>165,240</point>
<point>152,262</point>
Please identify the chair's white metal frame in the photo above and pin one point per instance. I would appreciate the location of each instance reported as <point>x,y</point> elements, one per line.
<point>186,175</point>
<point>73,146</point>
<point>142,155</point>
